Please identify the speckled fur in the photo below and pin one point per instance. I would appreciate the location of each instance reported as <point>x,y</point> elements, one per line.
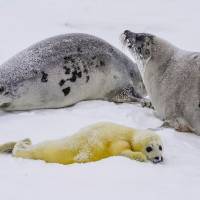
<point>172,79</point>
<point>66,69</point>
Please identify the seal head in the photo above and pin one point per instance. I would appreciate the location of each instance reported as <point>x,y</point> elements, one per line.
<point>140,46</point>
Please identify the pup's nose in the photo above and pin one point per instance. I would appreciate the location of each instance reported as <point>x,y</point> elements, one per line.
<point>158,159</point>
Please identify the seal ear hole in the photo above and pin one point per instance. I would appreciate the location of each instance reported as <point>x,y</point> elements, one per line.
<point>149,149</point>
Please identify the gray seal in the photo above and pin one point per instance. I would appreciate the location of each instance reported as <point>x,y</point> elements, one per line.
<point>65,69</point>
<point>171,77</point>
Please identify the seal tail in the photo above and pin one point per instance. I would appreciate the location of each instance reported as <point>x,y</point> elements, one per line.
<point>7,147</point>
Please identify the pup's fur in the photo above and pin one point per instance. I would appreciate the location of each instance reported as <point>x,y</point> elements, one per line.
<point>93,143</point>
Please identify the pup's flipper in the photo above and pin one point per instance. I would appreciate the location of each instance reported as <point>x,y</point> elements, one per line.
<point>8,147</point>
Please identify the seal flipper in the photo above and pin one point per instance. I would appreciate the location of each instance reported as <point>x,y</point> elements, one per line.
<point>124,95</point>
<point>128,95</point>
<point>7,147</point>
<point>178,124</point>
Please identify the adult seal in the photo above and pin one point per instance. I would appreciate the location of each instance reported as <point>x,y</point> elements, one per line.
<point>65,69</point>
<point>171,77</point>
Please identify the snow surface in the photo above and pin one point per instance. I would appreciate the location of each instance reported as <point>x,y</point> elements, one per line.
<point>24,22</point>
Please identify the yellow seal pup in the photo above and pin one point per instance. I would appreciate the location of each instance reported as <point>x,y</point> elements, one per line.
<point>95,142</point>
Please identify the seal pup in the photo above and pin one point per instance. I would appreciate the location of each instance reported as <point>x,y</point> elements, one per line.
<point>171,77</point>
<point>65,69</point>
<point>95,142</point>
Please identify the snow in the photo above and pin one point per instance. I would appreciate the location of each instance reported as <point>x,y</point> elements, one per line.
<point>25,22</point>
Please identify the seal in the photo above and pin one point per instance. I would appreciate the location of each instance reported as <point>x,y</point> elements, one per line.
<point>95,142</point>
<point>65,69</point>
<point>172,79</point>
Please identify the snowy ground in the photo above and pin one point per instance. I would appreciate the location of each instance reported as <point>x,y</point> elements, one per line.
<point>24,22</point>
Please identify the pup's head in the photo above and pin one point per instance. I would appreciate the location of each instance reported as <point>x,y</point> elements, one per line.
<point>149,144</point>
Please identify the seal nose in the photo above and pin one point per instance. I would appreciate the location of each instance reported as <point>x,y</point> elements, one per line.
<point>129,35</point>
<point>157,159</point>
<point>126,32</point>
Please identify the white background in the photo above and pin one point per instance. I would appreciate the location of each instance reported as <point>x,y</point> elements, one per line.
<point>25,22</point>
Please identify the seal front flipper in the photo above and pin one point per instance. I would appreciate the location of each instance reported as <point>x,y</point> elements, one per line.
<point>178,124</point>
<point>124,95</point>
<point>146,103</point>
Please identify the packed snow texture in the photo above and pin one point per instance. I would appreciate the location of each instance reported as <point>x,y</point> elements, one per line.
<point>25,22</point>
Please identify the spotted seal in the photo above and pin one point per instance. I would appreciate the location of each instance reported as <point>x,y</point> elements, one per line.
<point>65,69</point>
<point>172,79</point>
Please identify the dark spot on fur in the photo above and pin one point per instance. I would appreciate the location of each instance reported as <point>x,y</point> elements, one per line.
<point>62,82</point>
<point>199,104</point>
<point>140,37</point>
<point>196,56</point>
<point>131,91</point>
<point>66,91</point>
<point>131,74</point>
<point>79,50</point>
<point>2,89</point>
<point>147,52</point>
<point>6,93</point>
<point>69,59</point>
<point>44,77</point>
<point>87,78</point>
<point>94,57</point>
<point>73,78</point>
<point>85,71</point>
<point>75,75</point>
<point>102,63</point>
<point>79,74</point>
<point>5,105</point>
<point>67,70</point>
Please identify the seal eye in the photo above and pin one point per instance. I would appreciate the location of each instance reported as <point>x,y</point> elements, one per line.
<point>149,149</point>
<point>147,52</point>
<point>160,147</point>
<point>139,49</point>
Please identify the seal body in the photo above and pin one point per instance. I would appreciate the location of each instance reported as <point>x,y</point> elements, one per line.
<point>95,142</point>
<point>171,77</point>
<point>65,69</point>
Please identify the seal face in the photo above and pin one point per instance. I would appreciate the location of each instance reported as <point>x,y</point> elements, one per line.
<point>65,69</point>
<point>140,45</point>
<point>171,77</point>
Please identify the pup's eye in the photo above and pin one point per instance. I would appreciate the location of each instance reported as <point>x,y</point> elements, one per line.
<point>160,147</point>
<point>149,149</point>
